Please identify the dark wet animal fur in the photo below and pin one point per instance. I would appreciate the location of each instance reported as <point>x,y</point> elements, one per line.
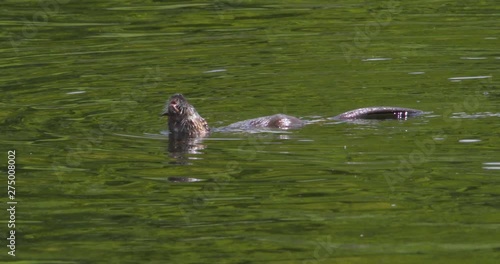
<point>280,121</point>
<point>379,112</point>
<point>185,122</point>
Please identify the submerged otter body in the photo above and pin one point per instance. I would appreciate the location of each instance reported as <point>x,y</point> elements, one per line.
<point>185,122</point>
<point>280,121</point>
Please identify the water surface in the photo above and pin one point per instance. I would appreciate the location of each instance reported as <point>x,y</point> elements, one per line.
<point>83,84</point>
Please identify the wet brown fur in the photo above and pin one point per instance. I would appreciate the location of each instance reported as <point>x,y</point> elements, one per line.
<point>183,119</point>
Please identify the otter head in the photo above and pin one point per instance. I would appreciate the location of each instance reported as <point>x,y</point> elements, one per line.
<point>183,120</point>
<point>177,107</point>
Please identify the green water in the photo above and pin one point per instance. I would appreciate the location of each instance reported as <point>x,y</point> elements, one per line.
<point>83,84</point>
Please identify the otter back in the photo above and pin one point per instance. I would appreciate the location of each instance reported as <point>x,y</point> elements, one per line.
<point>279,121</point>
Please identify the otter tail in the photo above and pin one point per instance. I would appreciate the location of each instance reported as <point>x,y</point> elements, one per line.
<point>379,112</point>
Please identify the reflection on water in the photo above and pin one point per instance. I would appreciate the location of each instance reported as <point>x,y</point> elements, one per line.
<point>178,147</point>
<point>83,83</point>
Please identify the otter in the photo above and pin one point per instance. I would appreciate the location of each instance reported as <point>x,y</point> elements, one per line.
<point>183,119</point>
<point>185,122</point>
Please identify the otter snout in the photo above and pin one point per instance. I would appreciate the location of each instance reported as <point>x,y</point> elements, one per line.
<point>174,107</point>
